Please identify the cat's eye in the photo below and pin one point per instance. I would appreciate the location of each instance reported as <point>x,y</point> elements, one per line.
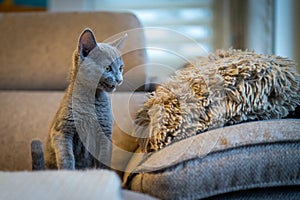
<point>121,68</point>
<point>108,68</point>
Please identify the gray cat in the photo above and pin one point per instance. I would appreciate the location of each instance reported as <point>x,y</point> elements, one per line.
<point>73,143</point>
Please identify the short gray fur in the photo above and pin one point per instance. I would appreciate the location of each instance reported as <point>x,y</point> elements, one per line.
<point>100,67</point>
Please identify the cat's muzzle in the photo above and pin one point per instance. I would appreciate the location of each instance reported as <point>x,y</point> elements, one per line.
<point>107,87</point>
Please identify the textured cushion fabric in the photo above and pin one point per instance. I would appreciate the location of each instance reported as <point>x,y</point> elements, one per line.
<point>223,138</point>
<point>274,193</point>
<point>49,185</point>
<point>246,156</point>
<point>257,166</point>
<point>37,48</point>
<point>24,116</point>
<point>130,195</point>
<point>124,107</point>
<point>91,184</point>
<point>28,114</point>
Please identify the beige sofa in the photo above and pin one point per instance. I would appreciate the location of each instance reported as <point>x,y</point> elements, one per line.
<point>35,58</point>
<point>35,62</point>
<point>250,160</point>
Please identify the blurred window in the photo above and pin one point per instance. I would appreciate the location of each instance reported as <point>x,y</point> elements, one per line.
<point>190,18</point>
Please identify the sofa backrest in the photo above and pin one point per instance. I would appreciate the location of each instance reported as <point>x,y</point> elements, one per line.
<point>36,48</point>
<point>35,58</point>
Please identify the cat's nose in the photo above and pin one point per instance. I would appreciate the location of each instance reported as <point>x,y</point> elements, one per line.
<point>119,81</point>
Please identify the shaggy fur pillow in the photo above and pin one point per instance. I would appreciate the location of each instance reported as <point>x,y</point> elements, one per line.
<point>227,87</point>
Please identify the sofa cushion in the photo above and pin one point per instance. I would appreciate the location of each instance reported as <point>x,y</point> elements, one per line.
<point>28,114</point>
<point>90,184</point>
<point>24,116</point>
<point>100,184</point>
<point>37,48</point>
<point>124,107</point>
<point>246,156</point>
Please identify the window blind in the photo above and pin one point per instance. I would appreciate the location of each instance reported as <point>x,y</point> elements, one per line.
<point>179,25</point>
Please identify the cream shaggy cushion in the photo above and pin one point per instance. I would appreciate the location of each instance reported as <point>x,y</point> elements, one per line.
<point>227,87</point>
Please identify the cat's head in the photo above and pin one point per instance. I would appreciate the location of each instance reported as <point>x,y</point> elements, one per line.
<point>105,57</point>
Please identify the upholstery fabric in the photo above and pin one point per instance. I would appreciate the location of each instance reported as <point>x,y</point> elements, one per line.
<point>267,156</point>
<point>36,57</point>
<point>223,138</point>
<point>254,166</point>
<point>28,114</point>
<point>42,46</point>
<point>49,185</point>
<point>24,115</point>
<point>274,193</point>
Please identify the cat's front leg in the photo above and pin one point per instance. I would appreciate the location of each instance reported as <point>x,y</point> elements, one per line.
<point>103,150</point>
<point>63,147</point>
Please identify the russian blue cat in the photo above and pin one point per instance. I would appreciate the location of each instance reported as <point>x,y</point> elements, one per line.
<point>97,70</point>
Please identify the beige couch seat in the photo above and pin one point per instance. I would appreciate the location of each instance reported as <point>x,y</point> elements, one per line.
<point>35,59</point>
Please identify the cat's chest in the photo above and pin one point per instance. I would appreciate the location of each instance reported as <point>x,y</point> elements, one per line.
<point>103,107</point>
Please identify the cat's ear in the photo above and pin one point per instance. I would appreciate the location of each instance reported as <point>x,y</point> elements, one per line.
<point>87,42</point>
<point>118,43</point>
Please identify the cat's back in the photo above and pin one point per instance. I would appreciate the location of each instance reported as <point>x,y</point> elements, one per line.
<point>64,111</point>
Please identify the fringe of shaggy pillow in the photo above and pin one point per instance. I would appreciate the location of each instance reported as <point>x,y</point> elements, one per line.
<point>227,87</point>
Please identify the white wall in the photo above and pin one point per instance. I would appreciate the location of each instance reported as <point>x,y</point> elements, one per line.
<point>287,28</point>
<point>260,33</point>
<point>70,5</point>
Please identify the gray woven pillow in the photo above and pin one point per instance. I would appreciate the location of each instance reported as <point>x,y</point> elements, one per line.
<point>239,158</point>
